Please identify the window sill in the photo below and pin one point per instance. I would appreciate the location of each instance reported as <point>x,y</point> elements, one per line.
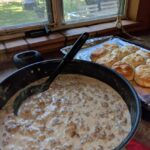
<point>57,40</point>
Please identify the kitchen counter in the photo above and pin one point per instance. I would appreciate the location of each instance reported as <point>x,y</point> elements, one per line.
<point>143,133</point>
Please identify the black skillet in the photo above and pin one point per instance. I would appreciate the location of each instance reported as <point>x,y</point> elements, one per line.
<point>36,71</point>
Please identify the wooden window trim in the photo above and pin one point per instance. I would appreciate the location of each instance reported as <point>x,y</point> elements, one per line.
<point>70,35</point>
<point>57,22</point>
<point>135,14</point>
<point>132,10</point>
<point>63,25</point>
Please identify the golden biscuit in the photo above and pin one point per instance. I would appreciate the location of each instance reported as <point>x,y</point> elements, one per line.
<point>124,69</point>
<point>121,52</point>
<point>132,48</point>
<point>108,60</point>
<point>98,53</point>
<point>148,61</point>
<point>125,50</point>
<point>142,75</point>
<point>134,59</point>
<point>110,46</point>
<point>144,54</point>
<point>117,53</point>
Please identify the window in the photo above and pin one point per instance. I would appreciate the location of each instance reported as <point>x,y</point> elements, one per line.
<point>20,12</point>
<point>57,13</point>
<point>85,10</point>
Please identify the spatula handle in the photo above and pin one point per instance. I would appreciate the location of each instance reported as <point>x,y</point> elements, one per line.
<point>76,47</point>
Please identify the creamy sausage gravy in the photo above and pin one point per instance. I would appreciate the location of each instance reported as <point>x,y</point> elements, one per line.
<point>76,113</point>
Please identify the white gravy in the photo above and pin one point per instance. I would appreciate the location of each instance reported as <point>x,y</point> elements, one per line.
<point>76,113</point>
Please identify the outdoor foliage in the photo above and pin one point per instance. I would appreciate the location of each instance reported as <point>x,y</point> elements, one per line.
<point>14,13</point>
<point>18,12</point>
<point>72,5</point>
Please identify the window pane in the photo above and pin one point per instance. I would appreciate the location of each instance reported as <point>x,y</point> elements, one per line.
<point>83,10</point>
<point>18,12</point>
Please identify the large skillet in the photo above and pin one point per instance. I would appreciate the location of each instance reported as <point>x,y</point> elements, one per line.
<point>36,71</point>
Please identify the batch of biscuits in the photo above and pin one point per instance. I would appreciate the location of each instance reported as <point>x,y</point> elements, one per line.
<point>130,61</point>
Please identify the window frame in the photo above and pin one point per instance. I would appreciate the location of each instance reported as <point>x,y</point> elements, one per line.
<point>62,25</point>
<point>57,22</point>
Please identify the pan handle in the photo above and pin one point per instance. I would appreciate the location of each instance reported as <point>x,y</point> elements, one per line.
<point>25,58</point>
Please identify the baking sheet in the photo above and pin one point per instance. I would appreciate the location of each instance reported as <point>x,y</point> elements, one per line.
<point>93,44</point>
